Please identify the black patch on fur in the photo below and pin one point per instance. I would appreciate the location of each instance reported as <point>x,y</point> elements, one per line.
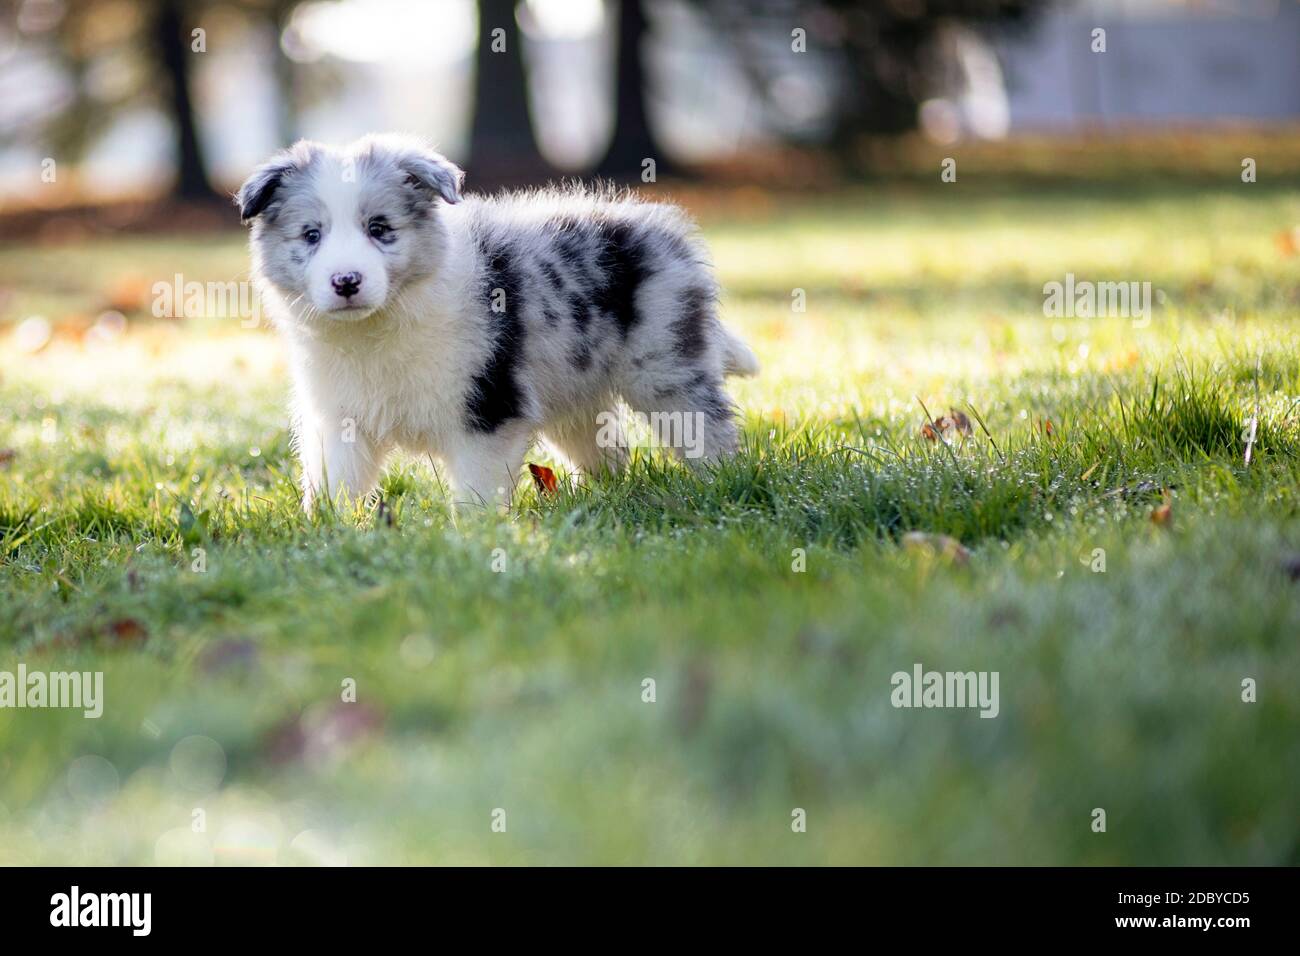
<point>703,392</point>
<point>689,340</point>
<point>495,396</point>
<point>707,396</point>
<point>623,268</point>
<point>580,356</point>
<point>552,274</point>
<point>572,251</point>
<point>580,309</point>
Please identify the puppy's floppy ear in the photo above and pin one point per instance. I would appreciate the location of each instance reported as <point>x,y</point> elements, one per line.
<point>258,191</point>
<point>426,169</point>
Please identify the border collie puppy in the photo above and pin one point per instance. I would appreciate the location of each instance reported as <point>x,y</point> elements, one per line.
<point>465,327</point>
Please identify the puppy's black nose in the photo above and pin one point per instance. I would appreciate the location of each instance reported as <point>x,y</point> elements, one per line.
<point>346,284</point>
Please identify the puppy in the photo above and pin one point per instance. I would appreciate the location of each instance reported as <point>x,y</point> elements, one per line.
<point>464,327</point>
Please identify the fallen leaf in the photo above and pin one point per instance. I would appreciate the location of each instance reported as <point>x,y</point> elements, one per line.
<point>1125,360</point>
<point>321,733</point>
<point>1088,474</point>
<point>953,424</point>
<point>1288,241</point>
<point>927,542</point>
<point>127,630</point>
<point>1162,516</point>
<point>697,686</point>
<point>7,456</point>
<point>956,420</point>
<point>228,654</point>
<point>131,293</point>
<point>544,479</point>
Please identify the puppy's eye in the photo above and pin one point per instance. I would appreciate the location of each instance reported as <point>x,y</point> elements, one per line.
<point>378,229</point>
<point>311,236</point>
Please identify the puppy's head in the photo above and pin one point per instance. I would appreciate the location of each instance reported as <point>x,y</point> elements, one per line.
<point>339,233</point>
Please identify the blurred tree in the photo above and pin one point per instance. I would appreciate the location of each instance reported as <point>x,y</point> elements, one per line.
<point>278,15</point>
<point>885,54</point>
<point>170,26</point>
<point>633,140</point>
<point>133,44</point>
<point>887,51</point>
<point>502,146</point>
<point>136,44</point>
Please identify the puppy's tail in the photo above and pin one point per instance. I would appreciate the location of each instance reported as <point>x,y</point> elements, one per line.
<point>737,357</point>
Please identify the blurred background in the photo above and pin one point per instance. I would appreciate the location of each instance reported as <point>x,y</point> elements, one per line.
<point>1148,141</point>
<point>137,100</point>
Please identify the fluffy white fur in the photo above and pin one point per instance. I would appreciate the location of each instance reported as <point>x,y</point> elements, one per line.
<point>466,329</point>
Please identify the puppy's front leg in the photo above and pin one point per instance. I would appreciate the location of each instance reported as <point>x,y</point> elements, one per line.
<point>485,467</point>
<point>339,461</point>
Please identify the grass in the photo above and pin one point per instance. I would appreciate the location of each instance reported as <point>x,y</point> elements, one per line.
<point>499,662</point>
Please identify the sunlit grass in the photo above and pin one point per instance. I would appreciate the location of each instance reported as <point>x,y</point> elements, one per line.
<point>500,662</point>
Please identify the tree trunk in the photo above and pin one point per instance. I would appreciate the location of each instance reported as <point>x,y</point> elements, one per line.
<point>172,46</point>
<point>502,148</point>
<point>633,141</point>
<point>285,74</point>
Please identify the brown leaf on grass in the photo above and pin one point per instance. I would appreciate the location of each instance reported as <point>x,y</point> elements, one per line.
<point>127,630</point>
<point>228,654</point>
<point>544,479</point>
<point>131,293</point>
<point>1048,430</point>
<point>1121,361</point>
<point>321,734</point>
<point>1162,516</point>
<point>7,456</point>
<point>941,545</point>
<point>954,424</point>
<point>1288,241</point>
<point>696,692</point>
